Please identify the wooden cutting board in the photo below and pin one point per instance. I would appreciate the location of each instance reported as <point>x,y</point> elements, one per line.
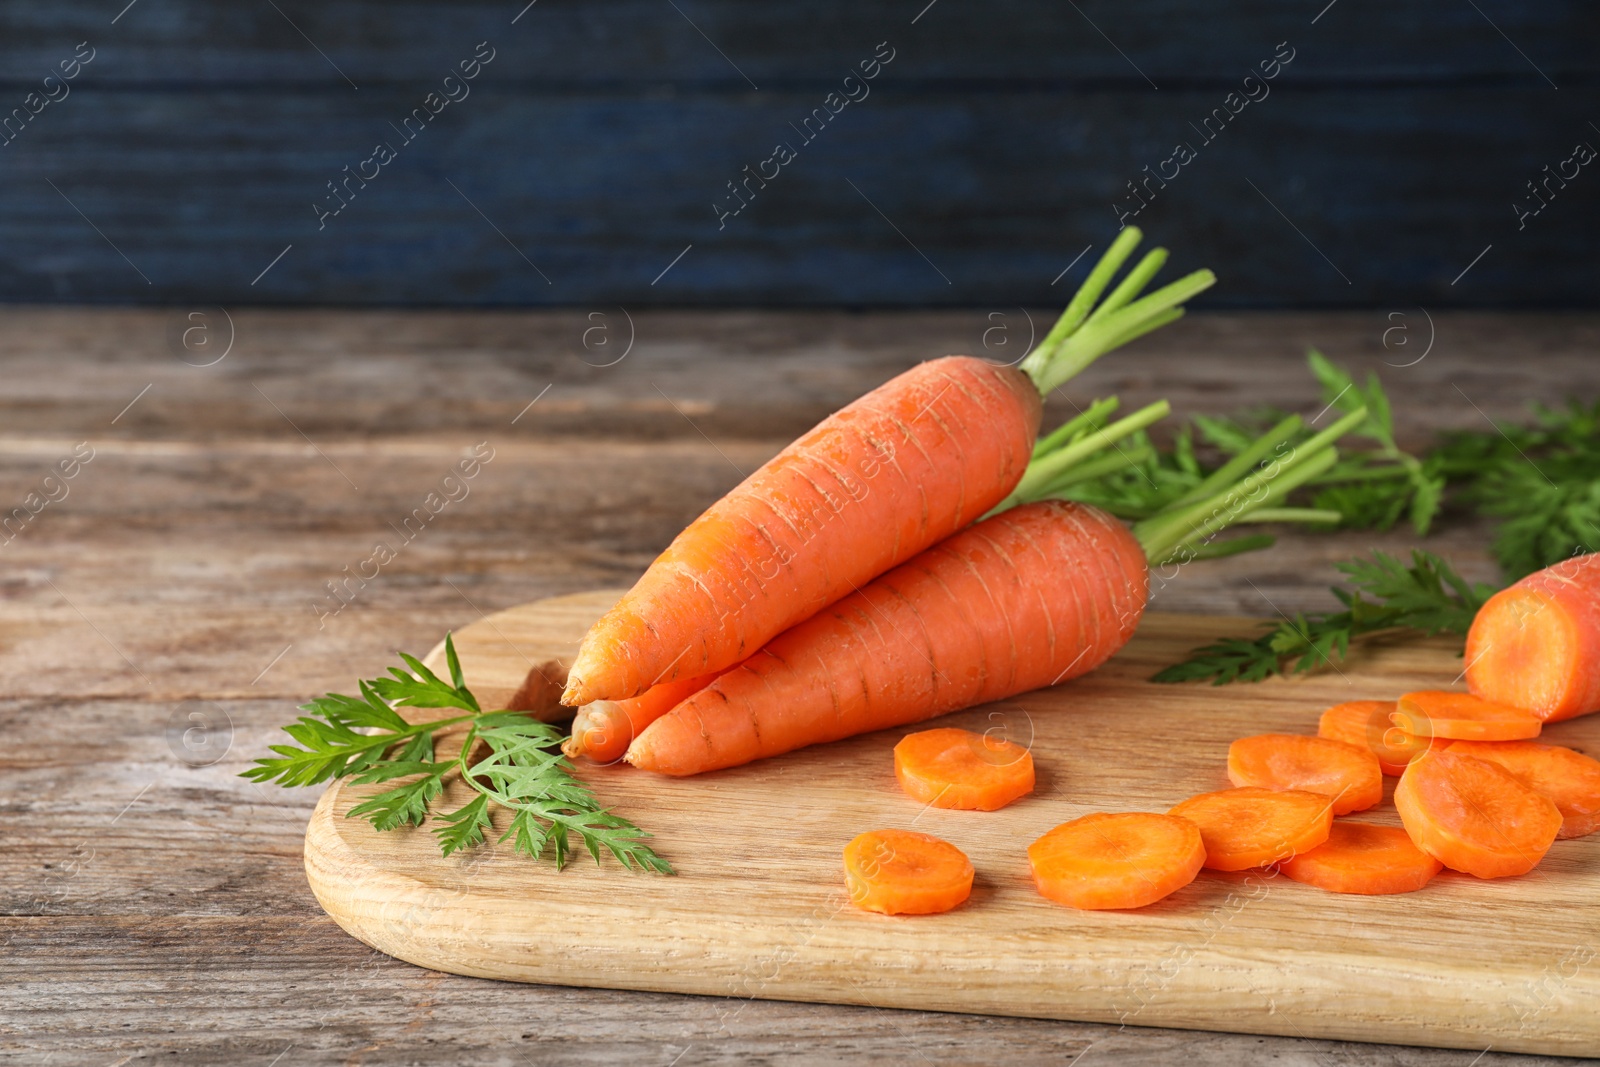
<point>758,906</point>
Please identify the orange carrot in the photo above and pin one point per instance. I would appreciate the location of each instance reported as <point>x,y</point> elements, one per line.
<point>1536,645</point>
<point>1034,596</point>
<point>1475,816</point>
<point>1570,779</point>
<point>603,730</point>
<point>1251,827</point>
<point>872,485</point>
<point>1369,724</point>
<point>1031,597</point>
<point>1125,860</point>
<point>950,768</point>
<point>1462,717</point>
<point>1347,774</point>
<point>900,872</point>
<point>1360,858</point>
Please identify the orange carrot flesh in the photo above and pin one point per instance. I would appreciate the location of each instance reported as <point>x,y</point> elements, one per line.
<point>1536,645</point>
<point>1475,816</point>
<point>890,474</point>
<point>901,872</point>
<point>1347,774</point>
<point>950,768</point>
<point>1029,598</point>
<point>1124,860</point>
<point>603,730</point>
<point>1369,724</point>
<point>1569,779</point>
<point>1251,827</point>
<point>1360,858</point>
<point>1462,717</point>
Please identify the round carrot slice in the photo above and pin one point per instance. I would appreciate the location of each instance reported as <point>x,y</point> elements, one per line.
<point>950,768</point>
<point>901,872</point>
<point>1348,774</point>
<point>1570,779</point>
<point>1252,827</point>
<point>1369,724</point>
<point>1475,816</point>
<point>1463,717</point>
<point>1360,858</point>
<point>1125,860</point>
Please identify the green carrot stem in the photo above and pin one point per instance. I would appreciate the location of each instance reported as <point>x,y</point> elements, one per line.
<point>1044,470</point>
<point>1096,412</point>
<point>1144,326</point>
<point>1240,465</point>
<point>1083,300</point>
<point>1082,347</point>
<point>1178,523</point>
<point>1230,507</point>
<point>1307,515</point>
<point>1099,467</point>
<point>1132,285</point>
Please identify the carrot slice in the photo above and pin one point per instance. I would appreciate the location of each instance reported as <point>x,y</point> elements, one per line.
<point>1462,717</point>
<point>950,768</point>
<point>1348,774</point>
<point>1570,779</point>
<point>901,872</point>
<point>1536,645</point>
<point>1125,860</point>
<point>1475,816</point>
<point>1361,858</point>
<point>1369,724</point>
<point>1253,827</point>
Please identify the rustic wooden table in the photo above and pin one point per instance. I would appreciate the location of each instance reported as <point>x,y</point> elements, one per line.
<point>165,608</point>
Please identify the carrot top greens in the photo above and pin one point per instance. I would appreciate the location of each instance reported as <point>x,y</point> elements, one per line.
<point>1428,597</point>
<point>523,772</point>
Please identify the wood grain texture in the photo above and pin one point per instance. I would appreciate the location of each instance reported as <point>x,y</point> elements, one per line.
<point>152,910</point>
<point>758,907</point>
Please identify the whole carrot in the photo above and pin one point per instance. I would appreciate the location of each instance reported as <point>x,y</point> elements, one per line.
<point>892,473</point>
<point>1033,596</point>
<point>1536,645</point>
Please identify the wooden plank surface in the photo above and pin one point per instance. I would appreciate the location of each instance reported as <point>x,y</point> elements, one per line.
<point>158,910</point>
<point>589,153</point>
<point>758,906</point>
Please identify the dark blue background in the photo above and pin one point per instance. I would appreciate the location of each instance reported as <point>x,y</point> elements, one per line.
<point>989,154</point>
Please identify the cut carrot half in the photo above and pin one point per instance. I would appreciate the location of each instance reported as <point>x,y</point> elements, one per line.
<point>1369,724</point>
<point>1361,858</point>
<point>1475,816</point>
<point>1463,717</point>
<point>1252,827</point>
<point>901,872</point>
<point>1570,779</point>
<point>1347,774</point>
<point>1536,645</point>
<point>1124,860</point>
<point>950,768</point>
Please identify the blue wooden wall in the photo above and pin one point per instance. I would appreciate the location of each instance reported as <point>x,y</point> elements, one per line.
<point>1388,162</point>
